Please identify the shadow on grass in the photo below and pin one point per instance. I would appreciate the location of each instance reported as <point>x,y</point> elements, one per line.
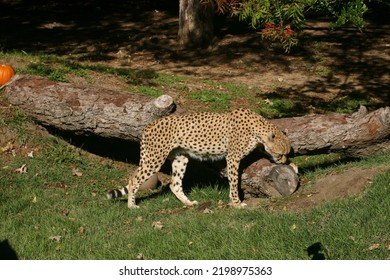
<point>6,251</point>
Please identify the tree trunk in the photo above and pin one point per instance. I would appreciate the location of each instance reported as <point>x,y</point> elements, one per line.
<point>196,27</point>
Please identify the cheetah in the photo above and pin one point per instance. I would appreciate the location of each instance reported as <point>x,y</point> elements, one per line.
<point>203,136</point>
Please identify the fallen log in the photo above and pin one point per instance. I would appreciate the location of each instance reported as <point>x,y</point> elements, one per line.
<point>356,135</point>
<point>86,110</point>
<point>112,114</point>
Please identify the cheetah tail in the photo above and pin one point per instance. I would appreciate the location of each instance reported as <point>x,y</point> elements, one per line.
<point>117,193</point>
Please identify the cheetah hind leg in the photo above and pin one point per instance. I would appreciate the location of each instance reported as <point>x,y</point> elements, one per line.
<point>179,165</point>
<point>134,184</point>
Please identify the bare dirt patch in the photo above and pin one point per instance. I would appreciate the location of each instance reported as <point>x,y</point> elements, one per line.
<point>346,183</point>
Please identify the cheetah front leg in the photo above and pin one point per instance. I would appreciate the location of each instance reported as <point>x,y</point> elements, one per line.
<point>179,165</point>
<point>232,172</point>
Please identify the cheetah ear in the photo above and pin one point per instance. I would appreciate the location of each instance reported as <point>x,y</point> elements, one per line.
<point>271,136</point>
<point>285,131</point>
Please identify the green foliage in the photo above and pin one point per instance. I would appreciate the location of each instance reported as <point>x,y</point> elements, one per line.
<point>352,11</point>
<point>281,19</point>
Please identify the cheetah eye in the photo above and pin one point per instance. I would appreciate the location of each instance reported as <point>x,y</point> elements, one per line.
<point>271,136</point>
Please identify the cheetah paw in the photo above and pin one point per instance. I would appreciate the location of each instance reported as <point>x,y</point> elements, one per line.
<point>133,206</point>
<point>239,205</point>
<point>191,203</point>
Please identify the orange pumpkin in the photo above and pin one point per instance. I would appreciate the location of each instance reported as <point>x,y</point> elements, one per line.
<point>6,73</point>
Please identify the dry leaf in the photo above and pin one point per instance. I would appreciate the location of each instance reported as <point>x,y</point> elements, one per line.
<point>190,243</point>
<point>157,225</point>
<point>139,219</point>
<point>22,169</point>
<point>7,148</point>
<point>76,172</point>
<point>56,238</point>
<point>207,211</point>
<point>220,204</point>
<point>269,102</point>
<point>374,246</point>
<point>65,212</point>
<point>293,227</point>
<point>388,246</point>
<point>140,256</point>
<point>30,154</point>
<point>81,230</point>
<point>34,200</point>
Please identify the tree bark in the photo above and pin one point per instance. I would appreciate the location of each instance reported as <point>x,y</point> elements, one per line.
<point>112,114</point>
<point>357,135</point>
<point>196,27</point>
<point>86,110</point>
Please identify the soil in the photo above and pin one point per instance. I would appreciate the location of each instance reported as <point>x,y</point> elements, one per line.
<point>346,183</point>
<point>328,66</point>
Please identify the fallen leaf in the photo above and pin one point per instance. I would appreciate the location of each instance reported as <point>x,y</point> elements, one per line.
<point>56,238</point>
<point>374,246</point>
<point>388,246</point>
<point>221,204</point>
<point>76,172</point>
<point>34,200</point>
<point>65,212</point>
<point>81,230</point>
<point>190,243</point>
<point>293,227</point>
<point>140,256</point>
<point>139,219</point>
<point>157,225</point>
<point>30,154</point>
<point>22,169</point>
<point>207,211</point>
<point>269,102</point>
<point>8,148</point>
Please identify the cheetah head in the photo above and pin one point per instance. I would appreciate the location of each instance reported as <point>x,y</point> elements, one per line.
<point>277,145</point>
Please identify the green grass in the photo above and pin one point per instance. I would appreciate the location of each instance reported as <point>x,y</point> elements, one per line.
<point>49,201</point>
<point>218,101</point>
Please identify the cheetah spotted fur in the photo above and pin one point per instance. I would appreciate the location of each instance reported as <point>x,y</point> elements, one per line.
<point>203,136</point>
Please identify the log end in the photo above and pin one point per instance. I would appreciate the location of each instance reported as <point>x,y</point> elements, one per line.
<point>161,106</point>
<point>284,178</point>
<point>266,179</point>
